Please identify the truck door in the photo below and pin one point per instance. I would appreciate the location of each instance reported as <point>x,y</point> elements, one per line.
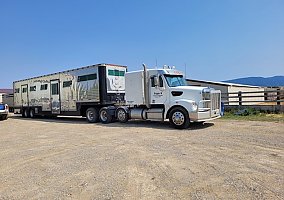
<point>55,97</point>
<point>157,92</point>
<point>24,95</point>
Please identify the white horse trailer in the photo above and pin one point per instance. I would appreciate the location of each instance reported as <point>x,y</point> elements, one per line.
<point>81,92</point>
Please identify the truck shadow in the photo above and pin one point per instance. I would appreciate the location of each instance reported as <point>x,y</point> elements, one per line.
<point>129,124</point>
<point>61,120</point>
<point>155,125</point>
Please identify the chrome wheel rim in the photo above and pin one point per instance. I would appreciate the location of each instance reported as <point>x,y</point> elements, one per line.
<point>178,118</point>
<point>31,114</point>
<point>121,115</point>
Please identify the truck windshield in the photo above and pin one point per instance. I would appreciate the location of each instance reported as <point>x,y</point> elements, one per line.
<point>174,80</point>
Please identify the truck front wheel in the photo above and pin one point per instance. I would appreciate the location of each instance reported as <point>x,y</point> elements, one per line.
<point>179,118</point>
<point>92,115</point>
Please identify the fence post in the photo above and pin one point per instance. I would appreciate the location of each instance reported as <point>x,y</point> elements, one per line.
<point>265,96</point>
<point>240,98</point>
<point>278,96</point>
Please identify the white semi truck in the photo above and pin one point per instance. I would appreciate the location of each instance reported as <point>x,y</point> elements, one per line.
<point>106,93</point>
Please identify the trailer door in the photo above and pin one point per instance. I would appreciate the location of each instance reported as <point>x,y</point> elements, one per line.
<point>24,95</point>
<point>55,97</point>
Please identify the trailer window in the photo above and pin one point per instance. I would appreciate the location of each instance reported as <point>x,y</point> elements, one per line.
<point>115,72</point>
<point>67,83</point>
<point>17,90</point>
<point>33,88</point>
<point>87,77</point>
<point>24,90</point>
<point>43,87</point>
<point>54,89</point>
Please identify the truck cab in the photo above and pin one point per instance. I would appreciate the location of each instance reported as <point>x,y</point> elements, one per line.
<point>160,94</point>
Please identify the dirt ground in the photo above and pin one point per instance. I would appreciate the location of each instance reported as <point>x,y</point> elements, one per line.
<point>67,158</point>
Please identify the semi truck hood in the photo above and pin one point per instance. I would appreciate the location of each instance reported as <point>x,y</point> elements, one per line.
<point>193,88</point>
<point>187,92</point>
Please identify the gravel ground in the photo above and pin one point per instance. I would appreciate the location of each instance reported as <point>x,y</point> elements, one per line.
<point>67,158</point>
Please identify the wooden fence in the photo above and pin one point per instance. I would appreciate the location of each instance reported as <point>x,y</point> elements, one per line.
<point>272,100</point>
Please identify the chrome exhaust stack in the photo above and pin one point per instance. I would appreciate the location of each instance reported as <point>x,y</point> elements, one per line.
<point>146,87</point>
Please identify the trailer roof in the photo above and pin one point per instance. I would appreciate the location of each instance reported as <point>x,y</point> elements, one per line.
<point>89,66</point>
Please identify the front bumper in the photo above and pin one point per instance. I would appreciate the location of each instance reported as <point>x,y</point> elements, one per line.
<point>204,115</point>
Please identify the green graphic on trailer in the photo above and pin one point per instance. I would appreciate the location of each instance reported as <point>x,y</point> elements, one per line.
<point>115,79</point>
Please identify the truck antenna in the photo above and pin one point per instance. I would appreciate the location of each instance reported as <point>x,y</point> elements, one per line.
<point>156,63</point>
<point>185,70</point>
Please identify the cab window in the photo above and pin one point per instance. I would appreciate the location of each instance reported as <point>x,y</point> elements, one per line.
<point>161,83</point>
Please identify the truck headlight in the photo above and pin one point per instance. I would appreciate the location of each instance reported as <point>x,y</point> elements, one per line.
<point>194,106</point>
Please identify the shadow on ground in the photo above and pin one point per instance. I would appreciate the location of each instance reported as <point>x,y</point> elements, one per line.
<point>129,124</point>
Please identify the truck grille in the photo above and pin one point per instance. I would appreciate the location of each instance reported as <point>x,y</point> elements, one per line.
<point>215,101</point>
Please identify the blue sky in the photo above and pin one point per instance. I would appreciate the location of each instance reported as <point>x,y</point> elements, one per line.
<point>216,39</point>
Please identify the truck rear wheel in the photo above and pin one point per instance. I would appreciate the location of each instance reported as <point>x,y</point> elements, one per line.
<point>92,115</point>
<point>122,115</point>
<point>179,118</point>
<point>105,117</point>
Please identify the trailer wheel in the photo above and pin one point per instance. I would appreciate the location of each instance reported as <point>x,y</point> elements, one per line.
<point>179,118</point>
<point>26,113</point>
<point>122,115</point>
<point>23,112</point>
<point>105,117</point>
<point>92,115</point>
<point>4,117</point>
<point>32,113</point>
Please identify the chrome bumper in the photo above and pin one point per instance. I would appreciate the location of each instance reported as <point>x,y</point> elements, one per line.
<point>204,115</point>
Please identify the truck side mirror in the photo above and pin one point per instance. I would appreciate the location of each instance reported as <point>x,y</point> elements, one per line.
<point>156,81</point>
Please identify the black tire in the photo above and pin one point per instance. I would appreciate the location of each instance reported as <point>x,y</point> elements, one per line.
<point>26,113</point>
<point>23,112</point>
<point>122,115</point>
<point>3,117</point>
<point>92,115</point>
<point>105,117</point>
<point>179,118</point>
<point>32,113</point>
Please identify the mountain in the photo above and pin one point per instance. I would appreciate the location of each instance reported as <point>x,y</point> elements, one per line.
<point>260,81</point>
<point>6,91</point>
